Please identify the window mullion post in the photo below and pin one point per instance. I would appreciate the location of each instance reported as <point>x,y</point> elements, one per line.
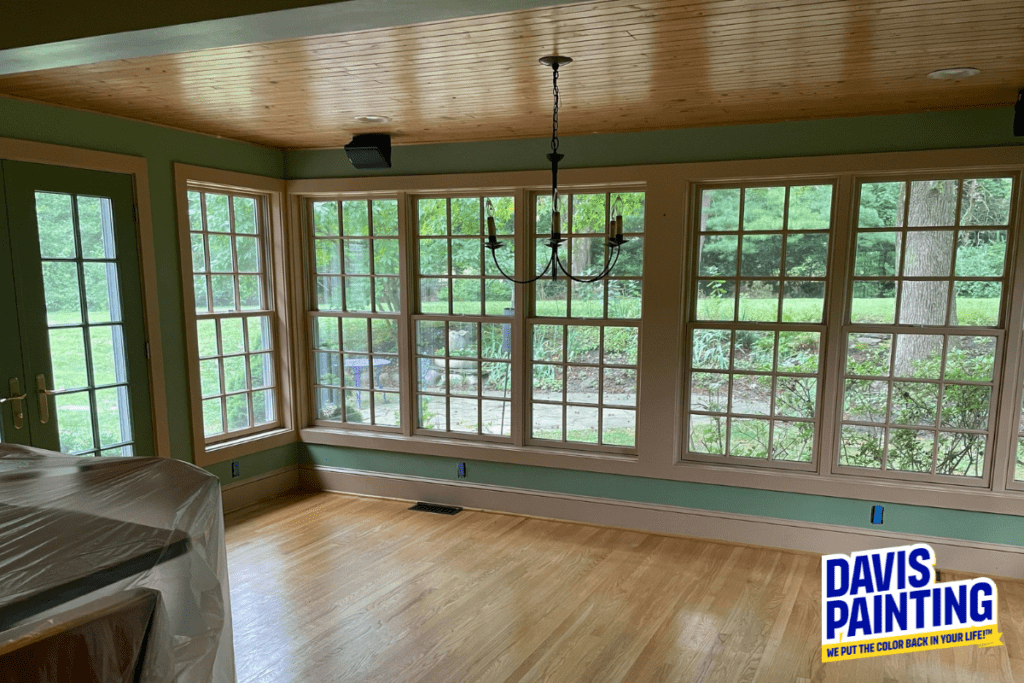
<point>1009,382</point>
<point>519,366</point>
<point>838,286</point>
<point>406,343</point>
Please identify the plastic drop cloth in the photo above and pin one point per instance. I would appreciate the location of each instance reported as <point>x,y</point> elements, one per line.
<point>74,531</point>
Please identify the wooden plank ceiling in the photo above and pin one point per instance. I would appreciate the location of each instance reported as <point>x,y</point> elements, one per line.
<point>638,66</point>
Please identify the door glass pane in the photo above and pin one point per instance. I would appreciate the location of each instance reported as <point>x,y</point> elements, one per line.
<point>86,351</point>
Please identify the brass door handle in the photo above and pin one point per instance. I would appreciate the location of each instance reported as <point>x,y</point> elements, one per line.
<point>17,397</point>
<point>44,403</point>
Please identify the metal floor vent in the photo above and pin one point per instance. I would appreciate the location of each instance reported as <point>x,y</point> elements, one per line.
<point>436,509</point>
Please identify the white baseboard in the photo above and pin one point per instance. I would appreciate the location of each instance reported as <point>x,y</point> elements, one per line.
<point>989,559</point>
<point>257,489</point>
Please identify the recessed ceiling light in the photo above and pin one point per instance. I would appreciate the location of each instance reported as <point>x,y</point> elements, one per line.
<point>373,118</point>
<point>954,74</point>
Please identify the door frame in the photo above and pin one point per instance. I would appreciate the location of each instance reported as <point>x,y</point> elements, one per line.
<point>136,167</point>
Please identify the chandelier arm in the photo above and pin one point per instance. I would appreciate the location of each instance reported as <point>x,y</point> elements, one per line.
<point>512,279</point>
<point>608,267</point>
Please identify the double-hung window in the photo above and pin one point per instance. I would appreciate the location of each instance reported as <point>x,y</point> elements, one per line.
<point>924,334</point>
<point>757,323</point>
<point>234,309</point>
<point>585,337</point>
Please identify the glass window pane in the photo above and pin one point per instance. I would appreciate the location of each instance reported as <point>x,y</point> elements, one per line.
<point>763,208</point>
<point>793,441</point>
<point>709,392</point>
<point>711,349</point>
<point>357,294</point>
<point>74,422</point>
<point>248,251</point>
<point>707,434</point>
<point>581,424</point>
<point>918,355</point>
<point>910,450</point>
<point>234,375</point>
<point>261,370</point>
<point>759,300</point>
<point>67,354</point>
<point>720,210</point>
<point>914,403</point>
<point>263,408</point>
<point>981,253</point>
<point>869,353</point>
<point>796,396</point>
<point>217,216</point>
<point>198,254</point>
<point>355,218</point>
<point>761,255</point>
<point>748,438</point>
<point>619,428</point>
<point>881,205</point>
<point>328,293</point>
<point>810,207</point>
<point>434,257</point>
<point>874,302</point>
<point>877,254</point>
<point>970,359</point>
<point>201,293</point>
<point>620,344</point>
<point>929,253</point>
<point>209,377</point>
<point>385,217</point>
<point>95,228</point>
<point>433,216</point>
<point>961,454</point>
<point>101,292</point>
<point>357,256</point>
<point>223,287</point>
<point>213,419</point>
<point>803,301</point>
<point>195,211</point>
<point>718,255</point>
<point>977,304</point>
<point>385,257</point>
<point>924,302</point>
<point>932,202</point>
<point>112,416</point>
<point>862,446</point>
<point>260,338</point>
<point>238,412</point>
<point>619,387</point>
<point>806,255</point>
<point>866,400</point>
<point>61,289</point>
<point>466,216</point>
<point>55,224</point>
<point>986,201</point>
<point>245,215</point>
<point>232,337</point>
<point>106,346</point>
<point>325,218</point>
<point>799,351</point>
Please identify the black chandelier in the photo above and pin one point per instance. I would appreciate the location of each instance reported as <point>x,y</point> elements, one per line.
<point>615,238</point>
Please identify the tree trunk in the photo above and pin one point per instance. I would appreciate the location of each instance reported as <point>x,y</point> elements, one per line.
<point>928,253</point>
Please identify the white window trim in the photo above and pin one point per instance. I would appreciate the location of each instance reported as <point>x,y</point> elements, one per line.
<point>257,439</point>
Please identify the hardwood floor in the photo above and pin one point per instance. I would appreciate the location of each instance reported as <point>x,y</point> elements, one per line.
<point>326,587</point>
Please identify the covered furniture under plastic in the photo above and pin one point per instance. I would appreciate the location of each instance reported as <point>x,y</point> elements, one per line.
<point>80,536</point>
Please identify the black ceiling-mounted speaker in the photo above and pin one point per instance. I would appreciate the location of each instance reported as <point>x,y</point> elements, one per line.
<point>370,150</point>
<point>1018,116</point>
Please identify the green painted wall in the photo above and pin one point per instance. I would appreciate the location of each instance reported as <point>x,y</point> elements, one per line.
<point>904,132</point>
<point>912,519</point>
<point>161,147</point>
<point>258,463</point>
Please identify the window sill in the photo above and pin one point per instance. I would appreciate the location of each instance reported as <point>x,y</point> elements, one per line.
<point>476,450</point>
<point>246,445</point>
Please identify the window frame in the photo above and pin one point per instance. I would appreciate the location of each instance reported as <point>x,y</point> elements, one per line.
<point>269,193</point>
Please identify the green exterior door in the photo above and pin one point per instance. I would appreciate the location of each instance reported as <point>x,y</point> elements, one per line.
<point>74,338</point>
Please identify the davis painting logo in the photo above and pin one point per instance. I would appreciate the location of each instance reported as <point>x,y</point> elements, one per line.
<point>886,601</point>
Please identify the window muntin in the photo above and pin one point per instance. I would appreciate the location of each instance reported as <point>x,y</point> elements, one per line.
<point>919,403</point>
<point>455,274</point>
<point>931,252</point>
<point>585,230</point>
<point>754,353</point>
<point>357,370</point>
<point>462,369</point>
<point>234,313</point>
<point>584,383</point>
<point>356,263</point>
<point>922,361</point>
<point>464,377</point>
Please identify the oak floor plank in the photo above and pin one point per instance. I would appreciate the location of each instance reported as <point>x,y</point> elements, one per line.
<point>328,587</point>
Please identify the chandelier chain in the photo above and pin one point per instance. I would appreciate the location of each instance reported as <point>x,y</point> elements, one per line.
<point>554,117</point>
